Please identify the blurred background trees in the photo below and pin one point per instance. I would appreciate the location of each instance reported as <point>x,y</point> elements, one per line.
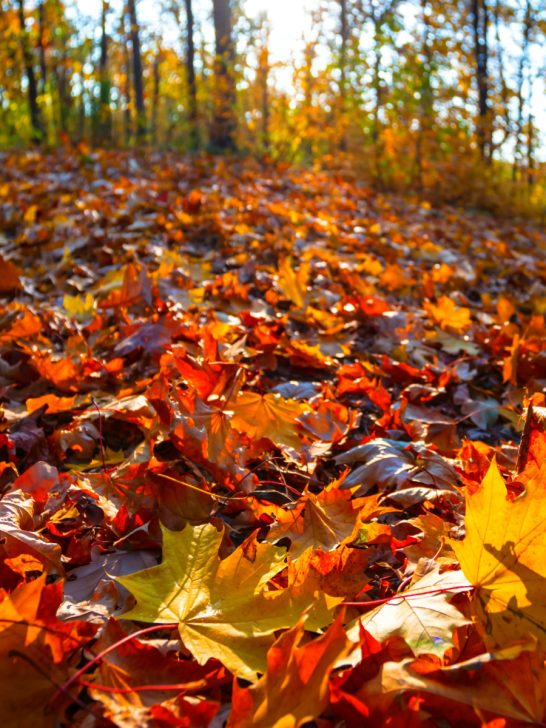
<point>439,98</point>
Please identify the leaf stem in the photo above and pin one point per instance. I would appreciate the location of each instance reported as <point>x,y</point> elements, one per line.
<point>408,595</point>
<point>154,628</point>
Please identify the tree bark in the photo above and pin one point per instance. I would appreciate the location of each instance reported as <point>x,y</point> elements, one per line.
<point>41,46</point>
<point>138,81</point>
<point>61,74</point>
<point>426,101</point>
<point>223,125</point>
<point>522,67</point>
<point>105,117</point>
<point>191,77</point>
<point>264,69</point>
<point>308,91</point>
<point>127,125</point>
<point>156,92</point>
<point>38,129</point>
<point>343,47</point>
<point>480,26</point>
<point>531,166</point>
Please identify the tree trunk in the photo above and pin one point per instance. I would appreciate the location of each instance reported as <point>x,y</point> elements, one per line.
<point>480,26</point>
<point>223,125</point>
<point>41,46</point>
<point>426,102</point>
<point>138,82</point>
<point>530,151</point>
<point>105,117</point>
<point>155,94</point>
<point>308,92</point>
<point>38,130</point>
<point>127,125</point>
<point>504,90</point>
<point>64,93</point>
<point>190,77</point>
<point>376,121</point>
<point>264,69</point>
<point>522,67</point>
<point>344,41</point>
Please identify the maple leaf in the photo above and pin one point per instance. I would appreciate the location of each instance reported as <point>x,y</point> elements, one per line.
<point>36,652</point>
<point>221,606</point>
<point>130,285</point>
<point>426,622</point>
<point>17,531</point>
<point>293,283</point>
<point>134,677</point>
<point>268,415</point>
<point>342,572</point>
<point>503,555</point>
<point>294,689</point>
<point>532,448</point>
<point>391,464</point>
<point>9,280</point>
<point>448,315</point>
<point>323,521</point>
<point>78,307</point>
<point>510,682</point>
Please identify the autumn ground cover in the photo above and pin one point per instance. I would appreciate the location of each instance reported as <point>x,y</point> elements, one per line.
<point>271,450</point>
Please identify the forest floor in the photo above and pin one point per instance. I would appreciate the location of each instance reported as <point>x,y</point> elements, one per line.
<point>254,404</point>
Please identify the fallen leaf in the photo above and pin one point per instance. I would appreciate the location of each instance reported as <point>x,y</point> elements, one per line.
<point>293,283</point>
<point>269,416</point>
<point>9,276</point>
<point>509,683</point>
<point>221,606</point>
<point>448,315</point>
<point>426,623</point>
<point>294,689</point>
<point>37,652</point>
<point>503,555</point>
<point>135,677</point>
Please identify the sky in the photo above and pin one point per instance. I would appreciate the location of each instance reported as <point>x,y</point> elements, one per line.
<point>289,19</point>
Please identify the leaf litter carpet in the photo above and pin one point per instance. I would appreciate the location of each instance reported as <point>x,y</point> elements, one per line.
<point>271,451</point>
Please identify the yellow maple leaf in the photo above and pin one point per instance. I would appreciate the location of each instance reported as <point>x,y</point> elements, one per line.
<point>79,307</point>
<point>324,521</point>
<point>222,607</point>
<point>293,283</point>
<point>294,689</point>
<point>268,415</point>
<point>448,315</point>
<point>503,555</point>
